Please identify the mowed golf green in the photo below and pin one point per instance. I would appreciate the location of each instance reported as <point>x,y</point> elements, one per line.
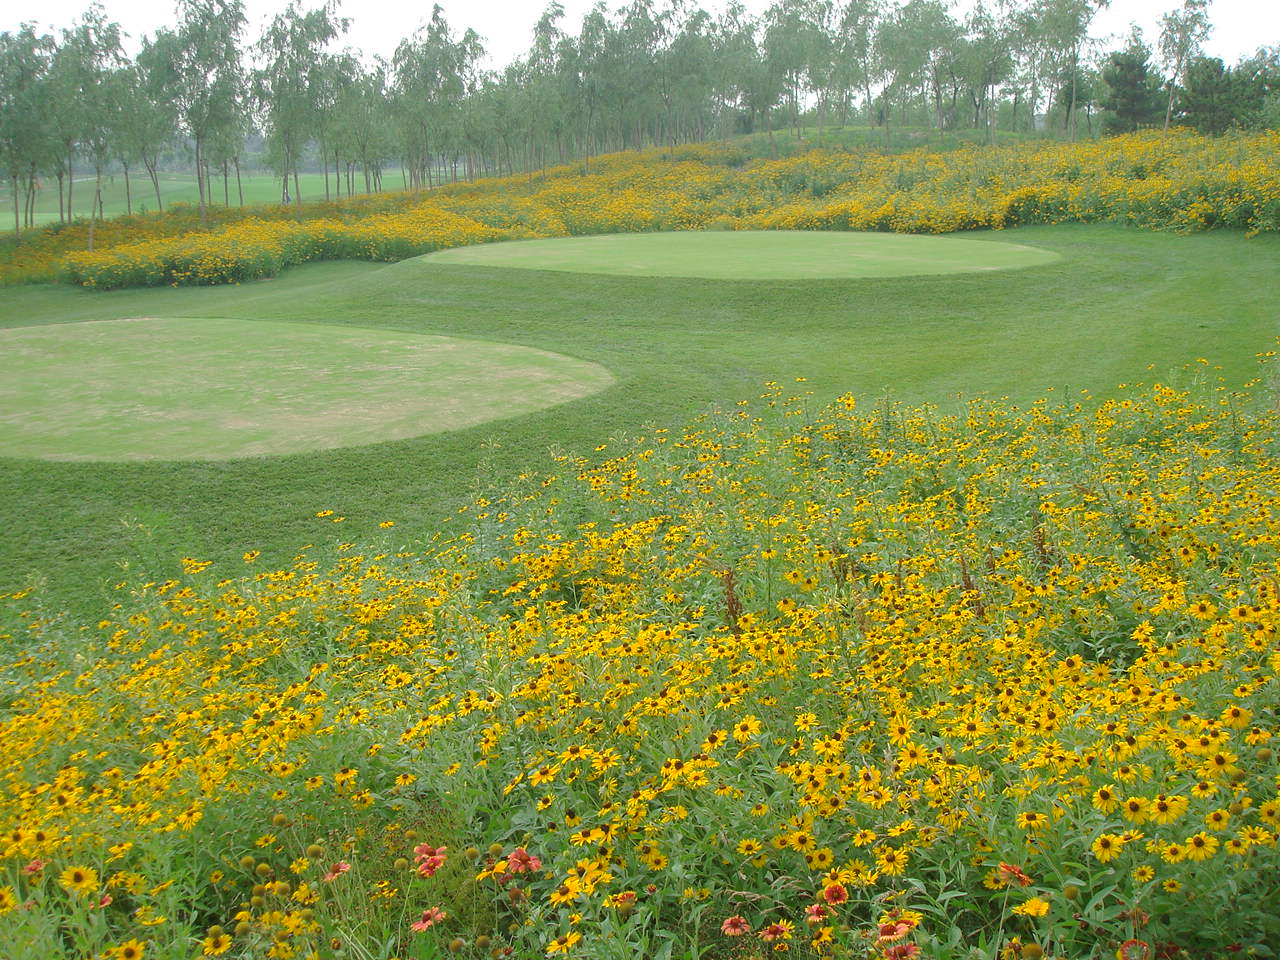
<point>753,255</point>
<point>198,388</point>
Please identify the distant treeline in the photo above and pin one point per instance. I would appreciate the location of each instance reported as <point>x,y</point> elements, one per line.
<point>646,73</point>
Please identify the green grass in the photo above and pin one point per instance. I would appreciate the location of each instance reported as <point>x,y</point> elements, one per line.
<point>753,255</point>
<point>1120,305</point>
<point>258,188</point>
<point>262,387</point>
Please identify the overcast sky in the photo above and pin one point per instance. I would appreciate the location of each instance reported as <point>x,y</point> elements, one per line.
<point>1240,26</point>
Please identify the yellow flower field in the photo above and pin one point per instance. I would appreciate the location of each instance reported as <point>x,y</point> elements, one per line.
<point>1178,181</point>
<point>881,684</point>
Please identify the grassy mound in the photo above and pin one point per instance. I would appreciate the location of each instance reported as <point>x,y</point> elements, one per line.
<point>197,388</point>
<point>837,680</point>
<point>754,255</point>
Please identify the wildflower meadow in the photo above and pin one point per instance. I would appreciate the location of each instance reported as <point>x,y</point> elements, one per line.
<point>804,678</point>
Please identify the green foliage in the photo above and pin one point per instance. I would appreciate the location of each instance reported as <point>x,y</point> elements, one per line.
<point>1216,97</point>
<point>1133,90</point>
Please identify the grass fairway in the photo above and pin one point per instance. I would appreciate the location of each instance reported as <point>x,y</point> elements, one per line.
<point>200,388</point>
<point>1120,305</point>
<point>754,255</point>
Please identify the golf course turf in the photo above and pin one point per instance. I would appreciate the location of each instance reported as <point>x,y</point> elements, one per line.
<point>753,255</point>
<point>213,389</point>
<point>1120,305</point>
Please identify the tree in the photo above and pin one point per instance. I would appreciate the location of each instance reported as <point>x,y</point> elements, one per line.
<point>1210,96</point>
<point>685,76</point>
<point>153,116</point>
<point>289,88</point>
<point>336,75</point>
<point>1258,89</point>
<point>1064,25</point>
<point>760,82</point>
<point>1133,93</point>
<point>734,57</point>
<point>90,58</point>
<point>854,67</point>
<point>1090,91</point>
<point>25,137</point>
<point>199,64</point>
<point>1181,33</point>
<point>143,127</point>
<point>67,114</point>
<point>1033,62</point>
<point>361,126</point>
<point>985,62</point>
<point>913,46</point>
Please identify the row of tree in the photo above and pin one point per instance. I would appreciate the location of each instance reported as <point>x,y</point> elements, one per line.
<point>649,72</point>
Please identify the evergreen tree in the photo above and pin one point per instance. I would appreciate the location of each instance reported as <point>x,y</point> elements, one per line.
<point>1133,91</point>
<point>1211,96</point>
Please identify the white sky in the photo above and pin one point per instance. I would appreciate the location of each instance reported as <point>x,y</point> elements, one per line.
<point>1240,26</point>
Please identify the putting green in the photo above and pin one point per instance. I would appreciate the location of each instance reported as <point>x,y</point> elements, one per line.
<point>204,389</point>
<point>753,255</point>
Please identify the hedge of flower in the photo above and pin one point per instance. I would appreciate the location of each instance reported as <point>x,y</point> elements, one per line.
<point>262,248</point>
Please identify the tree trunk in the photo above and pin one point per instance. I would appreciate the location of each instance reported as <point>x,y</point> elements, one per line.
<point>992,110</point>
<point>239,185</point>
<point>200,181</point>
<point>33,189</point>
<point>226,184</point>
<point>71,182</point>
<point>1071,110</point>
<point>97,205</point>
<point>128,192</point>
<point>297,188</point>
<point>17,221</point>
